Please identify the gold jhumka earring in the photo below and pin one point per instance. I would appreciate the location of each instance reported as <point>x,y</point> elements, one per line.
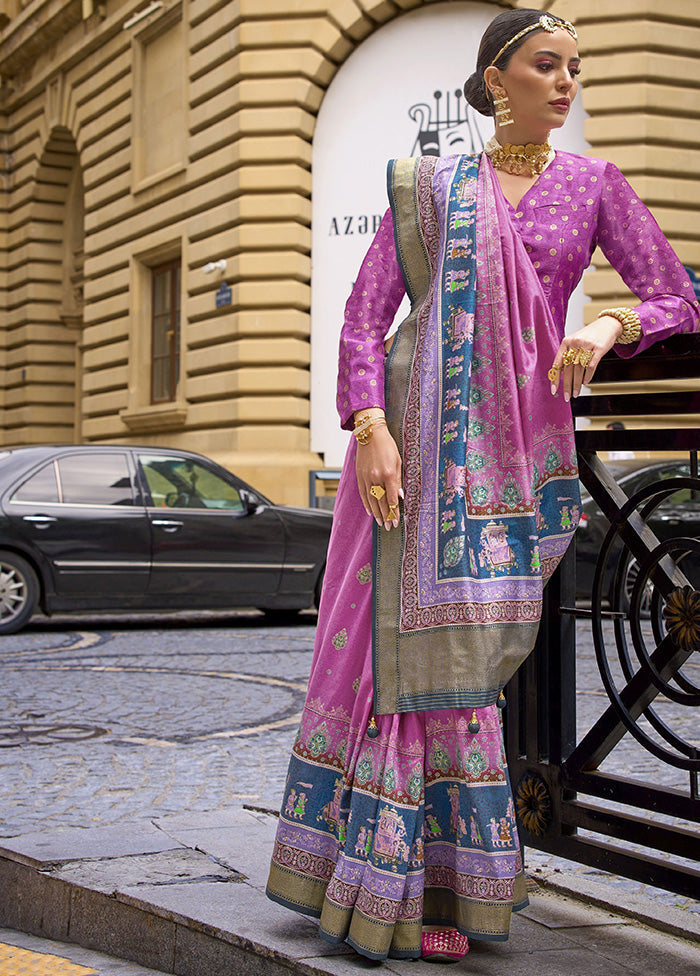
<point>502,109</point>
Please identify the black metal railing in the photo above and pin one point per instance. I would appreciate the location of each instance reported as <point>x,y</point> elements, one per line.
<point>639,816</point>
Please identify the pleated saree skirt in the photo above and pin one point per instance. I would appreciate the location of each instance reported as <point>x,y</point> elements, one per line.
<point>385,830</point>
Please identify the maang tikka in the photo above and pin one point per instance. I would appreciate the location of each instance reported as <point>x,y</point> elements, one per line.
<point>502,109</point>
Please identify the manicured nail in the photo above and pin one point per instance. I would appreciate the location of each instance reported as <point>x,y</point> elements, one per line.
<point>401,493</point>
<point>379,522</point>
<point>395,523</point>
<point>566,397</point>
<point>387,525</point>
<point>554,390</point>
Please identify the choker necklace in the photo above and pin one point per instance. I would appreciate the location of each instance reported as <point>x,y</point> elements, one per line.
<point>530,160</point>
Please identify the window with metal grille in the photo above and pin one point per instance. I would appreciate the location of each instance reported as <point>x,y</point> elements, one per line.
<point>165,319</point>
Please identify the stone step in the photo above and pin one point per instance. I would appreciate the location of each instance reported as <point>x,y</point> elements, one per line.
<point>185,895</point>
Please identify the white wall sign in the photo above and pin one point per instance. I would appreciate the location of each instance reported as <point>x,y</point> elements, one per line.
<point>398,94</point>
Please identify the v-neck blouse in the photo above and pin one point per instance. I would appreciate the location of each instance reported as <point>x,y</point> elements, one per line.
<point>576,204</point>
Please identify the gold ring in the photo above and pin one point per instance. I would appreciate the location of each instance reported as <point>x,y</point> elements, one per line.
<point>377,492</point>
<point>392,512</point>
<point>570,357</point>
<point>585,357</point>
<point>553,374</point>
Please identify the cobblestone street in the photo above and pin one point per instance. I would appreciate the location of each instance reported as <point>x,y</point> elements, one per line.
<point>125,721</point>
<point>107,720</point>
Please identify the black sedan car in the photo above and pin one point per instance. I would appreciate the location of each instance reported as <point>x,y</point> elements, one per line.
<point>678,515</point>
<point>130,528</point>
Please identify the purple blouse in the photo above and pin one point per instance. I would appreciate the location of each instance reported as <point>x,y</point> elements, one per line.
<point>576,205</point>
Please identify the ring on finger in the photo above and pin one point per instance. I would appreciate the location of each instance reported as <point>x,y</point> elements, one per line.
<point>392,512</point>
<point>570,356</point>
<point>584,357</point>
<point>553,374</point>
<point>377,492</point>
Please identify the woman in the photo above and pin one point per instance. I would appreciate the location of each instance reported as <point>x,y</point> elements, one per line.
<point>398,827</point>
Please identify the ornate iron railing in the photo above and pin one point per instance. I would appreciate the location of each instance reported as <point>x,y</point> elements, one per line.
<point>646,635</point>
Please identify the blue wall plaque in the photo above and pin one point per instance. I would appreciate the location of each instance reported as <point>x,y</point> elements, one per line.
<point>223,295</point>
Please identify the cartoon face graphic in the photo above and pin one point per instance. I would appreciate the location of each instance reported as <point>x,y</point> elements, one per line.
<point>448,126</point>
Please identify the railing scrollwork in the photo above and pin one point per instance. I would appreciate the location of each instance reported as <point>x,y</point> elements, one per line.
<point>645,619</point>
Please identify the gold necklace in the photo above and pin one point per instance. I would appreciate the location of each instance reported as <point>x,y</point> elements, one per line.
<point>529,160</point>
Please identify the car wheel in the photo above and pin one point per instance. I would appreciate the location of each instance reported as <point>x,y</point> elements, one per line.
<point>631,574</point>
<point>19,592</point>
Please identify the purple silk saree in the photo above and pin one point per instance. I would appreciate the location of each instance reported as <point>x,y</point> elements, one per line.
<point>489,462</point>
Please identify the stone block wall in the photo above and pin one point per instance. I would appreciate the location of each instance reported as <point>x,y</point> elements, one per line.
<point>94,194</point>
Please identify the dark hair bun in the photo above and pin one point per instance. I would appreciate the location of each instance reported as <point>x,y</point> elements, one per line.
<point>476,94</point>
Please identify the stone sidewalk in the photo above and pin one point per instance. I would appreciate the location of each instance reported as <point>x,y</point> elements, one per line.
<point>185,894</point>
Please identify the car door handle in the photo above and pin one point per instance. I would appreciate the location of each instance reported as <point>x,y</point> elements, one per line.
<point>167,525</point>
<point>41,521</point>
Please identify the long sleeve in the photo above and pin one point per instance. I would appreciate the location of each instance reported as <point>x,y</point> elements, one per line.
<point>369,314</point>
<point>635,246</point>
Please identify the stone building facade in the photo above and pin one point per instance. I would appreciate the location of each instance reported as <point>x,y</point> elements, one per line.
<point>146,142</point>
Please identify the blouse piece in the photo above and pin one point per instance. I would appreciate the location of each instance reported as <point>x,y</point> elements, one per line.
<point>575,205</point>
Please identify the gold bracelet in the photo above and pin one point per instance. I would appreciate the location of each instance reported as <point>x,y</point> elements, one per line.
<point>364,431</point>
<point>631,324</point>
<point>367,415</point>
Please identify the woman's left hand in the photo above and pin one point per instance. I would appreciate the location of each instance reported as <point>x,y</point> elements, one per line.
<point>588,344</point>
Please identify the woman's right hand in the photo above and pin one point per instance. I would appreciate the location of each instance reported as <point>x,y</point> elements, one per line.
<point>379,463</point>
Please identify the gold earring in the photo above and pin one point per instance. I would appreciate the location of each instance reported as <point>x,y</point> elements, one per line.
<point>502,109</point>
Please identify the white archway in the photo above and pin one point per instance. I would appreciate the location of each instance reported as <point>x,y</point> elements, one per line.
<point>398,94</point>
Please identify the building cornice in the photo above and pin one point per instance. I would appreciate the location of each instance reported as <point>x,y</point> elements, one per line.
<point>40,24</point>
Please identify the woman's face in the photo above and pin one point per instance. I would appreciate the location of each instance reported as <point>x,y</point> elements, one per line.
<point>541,84</point>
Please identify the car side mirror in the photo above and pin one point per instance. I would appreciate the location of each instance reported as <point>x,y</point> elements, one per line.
<point>251,502</point>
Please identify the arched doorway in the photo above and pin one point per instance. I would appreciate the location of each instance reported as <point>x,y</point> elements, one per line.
<point>55,294</point>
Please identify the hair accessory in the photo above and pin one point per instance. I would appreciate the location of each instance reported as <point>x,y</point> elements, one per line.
<point>445,945</point>
<point>529,160</point>
<point>544,23</point>
<point>631,324</point>
<point>503,114</point>
<point>377,492</point>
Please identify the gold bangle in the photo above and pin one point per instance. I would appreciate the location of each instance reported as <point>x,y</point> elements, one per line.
<point>363,433</point>
<point>631,324</point>
<point>367,415</point>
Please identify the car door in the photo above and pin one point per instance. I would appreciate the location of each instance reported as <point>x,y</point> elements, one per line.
<point>214,541</point>
<point>82,512</point>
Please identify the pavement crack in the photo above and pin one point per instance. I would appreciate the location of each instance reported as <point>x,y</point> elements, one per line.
<point>237,878</point>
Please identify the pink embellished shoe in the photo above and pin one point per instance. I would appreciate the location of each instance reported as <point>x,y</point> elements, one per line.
<point>444,945</point>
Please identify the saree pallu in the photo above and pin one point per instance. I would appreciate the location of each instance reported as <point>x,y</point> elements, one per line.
<point>489,460</point>
<point>378,836</point>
